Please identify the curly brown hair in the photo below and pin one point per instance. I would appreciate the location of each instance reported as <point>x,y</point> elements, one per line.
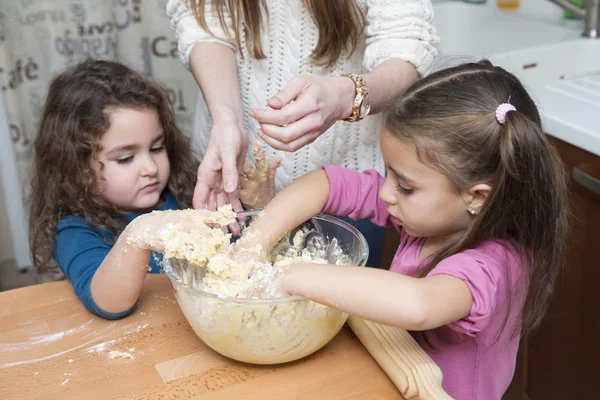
<point>74,119</point>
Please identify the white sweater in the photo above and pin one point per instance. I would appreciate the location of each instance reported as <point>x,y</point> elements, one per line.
<point>395,29</point>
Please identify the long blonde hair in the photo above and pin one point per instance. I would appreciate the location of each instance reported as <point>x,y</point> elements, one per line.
<point>340,23</point>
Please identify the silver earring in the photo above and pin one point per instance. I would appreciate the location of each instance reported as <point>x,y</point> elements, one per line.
<point>473,212</point>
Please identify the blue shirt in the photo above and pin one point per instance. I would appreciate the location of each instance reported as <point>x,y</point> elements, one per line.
<point>81,249</point>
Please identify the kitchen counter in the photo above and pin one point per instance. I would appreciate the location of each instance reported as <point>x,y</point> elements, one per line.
<point>476,31</point>
<point>559,68</point>
<point>52,348</point>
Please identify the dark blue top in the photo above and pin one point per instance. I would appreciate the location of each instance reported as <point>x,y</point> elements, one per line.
<point>81,249</point>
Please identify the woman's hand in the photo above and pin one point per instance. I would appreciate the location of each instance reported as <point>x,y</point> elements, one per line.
<point>305,108</point>
<point>221,166</point>
<point>257,183</point>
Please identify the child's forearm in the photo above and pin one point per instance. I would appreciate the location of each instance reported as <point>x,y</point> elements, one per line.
<point>382,296</point>
<point>301,200</point>
<point>117,283</point>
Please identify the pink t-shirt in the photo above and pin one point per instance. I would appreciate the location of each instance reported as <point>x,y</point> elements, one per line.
<point>477,354</point>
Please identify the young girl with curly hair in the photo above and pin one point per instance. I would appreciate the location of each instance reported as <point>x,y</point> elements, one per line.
<point>108,150</point>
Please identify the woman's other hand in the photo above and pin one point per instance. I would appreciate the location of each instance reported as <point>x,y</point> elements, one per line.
<point>305,108</point>
<point>257,183</point>
<point>221,166</point>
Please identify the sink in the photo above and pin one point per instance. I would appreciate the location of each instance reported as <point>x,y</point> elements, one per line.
<point>478,31</point>
<point>564,80</point>
<point>554,64</point>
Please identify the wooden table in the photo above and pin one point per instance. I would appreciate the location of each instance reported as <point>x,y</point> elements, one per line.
<point>52,348</point>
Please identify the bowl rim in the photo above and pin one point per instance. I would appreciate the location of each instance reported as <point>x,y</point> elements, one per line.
<point>272,300</point>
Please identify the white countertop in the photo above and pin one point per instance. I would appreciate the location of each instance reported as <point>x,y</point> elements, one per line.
<point>481,30</point>
<point>570,107</point>
<point>540,10</point>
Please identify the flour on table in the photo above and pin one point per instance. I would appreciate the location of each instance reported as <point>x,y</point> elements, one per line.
<point>119,354</point>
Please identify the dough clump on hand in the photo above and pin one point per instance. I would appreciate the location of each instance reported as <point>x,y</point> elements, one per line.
<point>201,238</point>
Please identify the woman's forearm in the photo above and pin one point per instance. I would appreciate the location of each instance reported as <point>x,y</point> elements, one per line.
<point>214,67</point>
<point>388,80</point>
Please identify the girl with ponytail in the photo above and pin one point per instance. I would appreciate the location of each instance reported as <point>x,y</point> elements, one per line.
<point>478,194</point>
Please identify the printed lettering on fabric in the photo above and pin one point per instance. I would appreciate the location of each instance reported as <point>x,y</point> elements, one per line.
<point>21,71</point>
<point>18,134</point>
<point>29,3</point>
<point>77,13</point>
<point>2,28</point>
<point>92,29</point>
<point>98,47</point>
<point>41,17</point>
<point>146,56</point>
<point>158,47</point>
<point>177,98</point>
<point>128,12</point>
<point>183,100</point>
<point>163,47</point>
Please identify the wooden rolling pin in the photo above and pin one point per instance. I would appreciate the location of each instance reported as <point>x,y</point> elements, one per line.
<point>415,374</point>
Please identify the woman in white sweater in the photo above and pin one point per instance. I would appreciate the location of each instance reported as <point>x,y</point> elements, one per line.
<point>273,69</point>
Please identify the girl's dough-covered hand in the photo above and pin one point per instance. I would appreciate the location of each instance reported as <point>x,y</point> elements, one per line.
<point>180,231</point>
<point>257,183</point>
<point>277,286</point>
<point>305,108</point>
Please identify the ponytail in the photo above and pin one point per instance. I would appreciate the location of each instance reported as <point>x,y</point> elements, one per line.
<point>531,191</point>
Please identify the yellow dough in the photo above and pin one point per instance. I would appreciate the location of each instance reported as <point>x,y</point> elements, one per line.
<point>207,248</point>
<point>241,320</point>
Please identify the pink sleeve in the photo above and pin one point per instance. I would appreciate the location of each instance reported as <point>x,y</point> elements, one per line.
<point>356,195</point>
<point>486,279</point>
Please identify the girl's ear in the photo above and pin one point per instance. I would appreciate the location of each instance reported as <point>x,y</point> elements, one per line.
<point>475,197</point>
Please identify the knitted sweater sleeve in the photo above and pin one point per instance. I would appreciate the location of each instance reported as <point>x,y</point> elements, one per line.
<point>189,32</point>
<point>400,29</point>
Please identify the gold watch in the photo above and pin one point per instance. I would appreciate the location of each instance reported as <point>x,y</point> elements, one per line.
<point>362,101</point>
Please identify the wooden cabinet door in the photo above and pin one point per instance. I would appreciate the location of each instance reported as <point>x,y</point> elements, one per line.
<point>561,359</point>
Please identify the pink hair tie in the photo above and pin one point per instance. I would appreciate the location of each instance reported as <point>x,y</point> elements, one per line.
<point>502,110</point>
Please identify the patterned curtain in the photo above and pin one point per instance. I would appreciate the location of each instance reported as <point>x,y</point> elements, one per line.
<point>39,38</point>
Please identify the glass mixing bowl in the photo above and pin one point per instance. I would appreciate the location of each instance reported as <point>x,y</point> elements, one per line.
<point>267,331</point>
